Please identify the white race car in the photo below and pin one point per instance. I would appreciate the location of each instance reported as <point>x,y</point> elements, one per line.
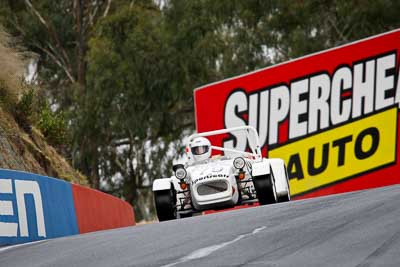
<point>218,182</point>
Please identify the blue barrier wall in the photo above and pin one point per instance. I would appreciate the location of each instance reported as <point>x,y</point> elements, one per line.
<point>34,207</point>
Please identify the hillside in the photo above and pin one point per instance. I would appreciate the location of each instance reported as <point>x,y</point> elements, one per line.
<point>24,149</point>
<point>30,152</point>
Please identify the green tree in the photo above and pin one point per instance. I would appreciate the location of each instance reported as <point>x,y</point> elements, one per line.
<point>129,107</point>
<point>58,32</point>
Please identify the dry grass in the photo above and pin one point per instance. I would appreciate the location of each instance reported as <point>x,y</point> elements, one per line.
<point>19,149</point>
<point>12,69</point>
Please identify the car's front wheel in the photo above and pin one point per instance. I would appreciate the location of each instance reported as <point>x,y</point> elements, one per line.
<point>265,189</point>
<point>165,205</point>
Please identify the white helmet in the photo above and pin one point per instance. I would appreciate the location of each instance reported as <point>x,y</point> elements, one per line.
<point>200,148</point>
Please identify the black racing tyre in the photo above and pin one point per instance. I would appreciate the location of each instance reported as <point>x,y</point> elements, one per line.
<point>165,205</point>
<point>240,199</point>
<point>284,198</point>
<point>186,215</point>
<point>264,189</point>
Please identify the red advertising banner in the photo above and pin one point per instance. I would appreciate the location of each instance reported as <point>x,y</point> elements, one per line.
<point>332,116</point>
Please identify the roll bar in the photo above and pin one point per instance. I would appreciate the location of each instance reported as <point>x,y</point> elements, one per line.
<point>254,147</point>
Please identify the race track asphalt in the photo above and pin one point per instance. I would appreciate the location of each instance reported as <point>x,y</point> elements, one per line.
<point>354,229</point>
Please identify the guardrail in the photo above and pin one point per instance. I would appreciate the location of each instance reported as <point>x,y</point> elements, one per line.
<point>35,207</point>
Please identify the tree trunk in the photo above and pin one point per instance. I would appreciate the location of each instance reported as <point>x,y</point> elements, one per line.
<point>94,175</point>
<point>81,48</point>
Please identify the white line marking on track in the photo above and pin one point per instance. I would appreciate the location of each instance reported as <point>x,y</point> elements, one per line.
<point>21,245</point>
<point>204,252</point>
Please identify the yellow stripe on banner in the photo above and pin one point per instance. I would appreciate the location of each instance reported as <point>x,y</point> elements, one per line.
<point>339,153</point>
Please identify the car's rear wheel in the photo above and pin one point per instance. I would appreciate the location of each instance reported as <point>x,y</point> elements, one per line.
<point>286,197</point>
<point>165,205</point>
<point>265,189</point>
